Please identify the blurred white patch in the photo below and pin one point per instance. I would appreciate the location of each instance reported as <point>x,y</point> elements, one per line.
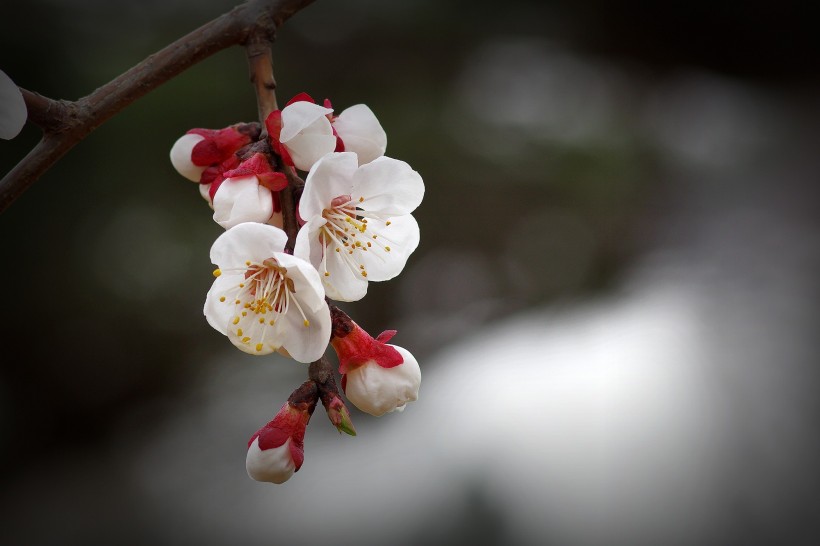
<point>515,91</point>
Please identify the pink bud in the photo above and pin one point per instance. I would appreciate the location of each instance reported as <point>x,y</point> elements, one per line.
<point>378,378</point>
<point>276,450</point>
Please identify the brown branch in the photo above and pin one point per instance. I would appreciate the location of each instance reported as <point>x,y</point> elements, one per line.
<point>260,63</point>
<point>321,374</point>
<point>65,123</point>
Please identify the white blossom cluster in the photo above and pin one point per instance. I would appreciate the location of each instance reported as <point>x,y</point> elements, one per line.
<point>355,226</point>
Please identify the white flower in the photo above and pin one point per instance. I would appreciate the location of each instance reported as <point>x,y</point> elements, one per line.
<point>377,390</point>
<point>273,465</point>
<point>181,156</point>
<point>359,227</point>
<point>241,200</point>
<point>361,133</point>
<point>306,133</point>
<point>264,299</point>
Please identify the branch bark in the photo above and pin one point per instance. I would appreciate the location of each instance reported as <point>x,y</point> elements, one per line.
<point>66,123</point>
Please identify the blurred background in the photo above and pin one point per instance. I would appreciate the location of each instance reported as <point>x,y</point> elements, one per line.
<point>614,303</point>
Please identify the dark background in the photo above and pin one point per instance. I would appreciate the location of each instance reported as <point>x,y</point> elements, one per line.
<point>560,143</point>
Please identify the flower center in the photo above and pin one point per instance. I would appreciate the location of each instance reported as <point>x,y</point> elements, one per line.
<point>346,233</point>
<point>265,294</point>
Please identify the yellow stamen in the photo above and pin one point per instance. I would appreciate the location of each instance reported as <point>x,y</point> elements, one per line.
<point>222,298</point>
<point>217,272</point>
<point>259,347</point>
<point>236,320</point>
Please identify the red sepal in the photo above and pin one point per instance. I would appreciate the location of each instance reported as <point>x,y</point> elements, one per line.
<point>259,166</point>
<point>270,438</point>
<point>217,146</point>
<point>297,453</point>
<point>358,347</point>
<point>273,123</point>
<point>301,97</point>
<point>386,336</point>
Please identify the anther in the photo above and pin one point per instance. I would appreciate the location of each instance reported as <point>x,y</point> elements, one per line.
<point>217,272</point>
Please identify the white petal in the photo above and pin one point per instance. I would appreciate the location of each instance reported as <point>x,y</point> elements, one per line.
<point>361,133</point>
<point>330,177</point>
<point>13,111</point>
<point>251,336</point>
<point>181,157</point>
<point>401,237</point>
<point>205,192</point>
<point>249,241</point>
<point>273,465</point>
<point>301,117</point>
<point>306,150</point>
<point>388,186</point>
<point>306,282</point>
<point>220,313</point>
<point>307,246</point>
<point>345,282</point>
<point>307,343</point>
<point>241,200</point>
<point>376,390</point>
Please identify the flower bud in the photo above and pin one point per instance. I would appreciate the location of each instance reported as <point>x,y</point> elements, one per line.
<point>301,133</point>
<point>181,157</point>
<point>377,390</point>
<point>241,200</point>
<point>377,377</point>
<point>277,450</point>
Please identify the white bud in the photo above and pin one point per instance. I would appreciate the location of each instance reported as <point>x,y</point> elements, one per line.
<point>273,465</point>
<point>181,157</point>
<point>376,390</point>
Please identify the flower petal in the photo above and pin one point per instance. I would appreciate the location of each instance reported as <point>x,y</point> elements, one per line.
<point>305,150</point>
<point>307,343</point>
<point>388,186</point>
<point>344,282</point>
<point>306,282</point>
<point>254,334</point>
<point>299,116</point>
<point>392,247</point>
<point>307,246</point>
<point>273,465</point>
<point>361,133</point>
<point>181,157</point>
<point>241,200</point>
<point>330,177</point>
<point>248,241</point>
<point>220,313</point>
<point>205,192</point>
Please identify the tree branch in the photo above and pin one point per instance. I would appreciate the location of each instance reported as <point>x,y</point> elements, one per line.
<point>66,123</point>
